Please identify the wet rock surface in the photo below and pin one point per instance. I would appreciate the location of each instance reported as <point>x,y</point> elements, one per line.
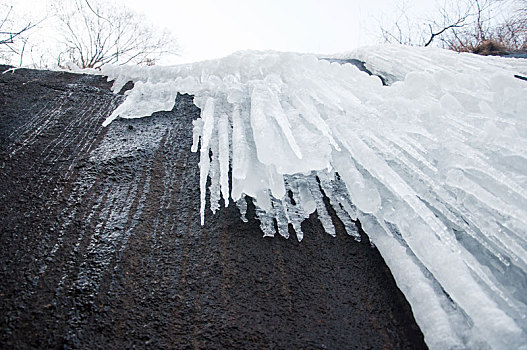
<point>357,63</point>
<point>101,243</point>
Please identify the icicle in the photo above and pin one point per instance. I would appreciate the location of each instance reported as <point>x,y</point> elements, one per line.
<point>223,135</point>
<point>214,173</point>
<point>240,151</point>
<point>242,206</point>
<point>196,133</point>
<point>266,223</point>
<point>323,215</point>
<point>207,115</point>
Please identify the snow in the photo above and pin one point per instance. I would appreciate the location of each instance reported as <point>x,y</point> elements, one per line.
<point>434,166</point>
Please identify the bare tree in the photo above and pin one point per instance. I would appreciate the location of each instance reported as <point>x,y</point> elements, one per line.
<point>401,27</point>
<point>481,26</point>
<point>449,19</point>
<point>514,30</point>
<point>13,35</point>
<point>96,33</point>
<point>492,31</point>
<point>409,30</point>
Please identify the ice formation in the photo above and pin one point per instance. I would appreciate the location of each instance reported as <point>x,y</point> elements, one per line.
<point>434,166</point>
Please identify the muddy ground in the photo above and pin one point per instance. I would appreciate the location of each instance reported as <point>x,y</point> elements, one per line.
<point>101,244</point>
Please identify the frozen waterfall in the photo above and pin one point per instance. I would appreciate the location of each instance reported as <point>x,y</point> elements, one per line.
<point>434,166</point>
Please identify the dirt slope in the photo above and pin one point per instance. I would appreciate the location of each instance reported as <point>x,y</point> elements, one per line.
<point>101,246</point>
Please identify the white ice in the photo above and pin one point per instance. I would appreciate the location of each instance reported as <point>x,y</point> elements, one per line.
<point>434,166</point>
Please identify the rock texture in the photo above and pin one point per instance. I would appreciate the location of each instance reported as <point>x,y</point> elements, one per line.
<point>101,244</point>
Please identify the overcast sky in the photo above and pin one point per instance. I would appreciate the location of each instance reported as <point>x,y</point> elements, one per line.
<point>214,28</point>
<point>209,29</point>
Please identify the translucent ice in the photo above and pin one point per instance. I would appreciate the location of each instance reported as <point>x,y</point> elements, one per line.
<point>434,165</point>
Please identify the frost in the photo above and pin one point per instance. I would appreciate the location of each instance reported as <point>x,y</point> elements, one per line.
<point>434,166</point>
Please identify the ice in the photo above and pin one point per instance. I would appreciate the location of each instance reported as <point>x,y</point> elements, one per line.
<point>204,163</point>
<point>320,207</point>
<point>223,134</point>
<point>196,133</point>
<point>240,148</point>
<point>433,165</point>
<point>242,206</point>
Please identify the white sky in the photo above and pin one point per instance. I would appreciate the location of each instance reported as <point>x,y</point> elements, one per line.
<point>209,29</point>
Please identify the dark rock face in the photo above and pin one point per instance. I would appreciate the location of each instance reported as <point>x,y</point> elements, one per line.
<point>357,63</point>
<point>101,246</point>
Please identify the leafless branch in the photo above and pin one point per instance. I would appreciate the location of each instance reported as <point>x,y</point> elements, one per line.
<point>481,26</point>
<point>98,33</point>
<point>13,35</point>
